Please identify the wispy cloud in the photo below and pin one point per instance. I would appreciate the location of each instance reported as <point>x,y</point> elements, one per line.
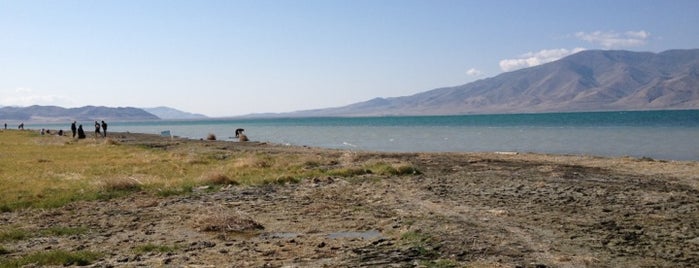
<point>23,96</point>
<point>531,59</point>
<point>474,72</point>
<point>613,39</point>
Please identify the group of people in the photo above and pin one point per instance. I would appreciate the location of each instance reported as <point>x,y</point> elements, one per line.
<point>100,130</point>
<point>20,126</point>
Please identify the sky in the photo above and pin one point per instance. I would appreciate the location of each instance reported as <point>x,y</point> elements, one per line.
<point>228,58</point>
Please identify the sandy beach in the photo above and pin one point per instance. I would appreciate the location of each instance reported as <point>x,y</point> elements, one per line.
<point>453,210</point>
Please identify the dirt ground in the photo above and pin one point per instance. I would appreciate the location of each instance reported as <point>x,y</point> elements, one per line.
<point>462,209</point>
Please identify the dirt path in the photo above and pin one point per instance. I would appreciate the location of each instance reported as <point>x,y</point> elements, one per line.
<point>464,209</point>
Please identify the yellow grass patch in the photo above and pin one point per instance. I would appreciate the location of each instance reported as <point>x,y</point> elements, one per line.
<point>51,171</point>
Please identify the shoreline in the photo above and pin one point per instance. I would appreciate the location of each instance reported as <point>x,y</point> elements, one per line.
<point>152,136</point>
<point>446,209</point>
<point>658,139</point>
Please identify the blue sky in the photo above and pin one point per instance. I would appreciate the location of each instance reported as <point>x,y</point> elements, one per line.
<point>225,58</point>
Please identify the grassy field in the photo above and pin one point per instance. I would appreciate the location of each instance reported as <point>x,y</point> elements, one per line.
<point>50,171</point>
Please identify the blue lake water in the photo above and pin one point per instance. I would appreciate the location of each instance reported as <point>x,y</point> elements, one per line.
<point>672,135</point>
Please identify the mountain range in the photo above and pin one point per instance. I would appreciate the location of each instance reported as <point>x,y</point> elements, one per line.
<point>171,113</point>
<point>38,113</point>
<point>591,80</point>
<point>88,113</point>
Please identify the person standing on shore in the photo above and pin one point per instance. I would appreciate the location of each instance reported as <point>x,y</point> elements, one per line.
<point>97,129</point>
<point>104,129</point>
<point>5,126</point>
<point>73,129</point>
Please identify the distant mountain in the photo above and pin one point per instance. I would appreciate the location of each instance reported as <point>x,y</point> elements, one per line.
<point>38,113</point>
<point>171,113</point>
<point>590,80</point>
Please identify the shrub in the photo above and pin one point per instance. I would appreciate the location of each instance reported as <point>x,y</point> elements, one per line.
<point>211,137</point>
<point>120,184</point>
<point>286,179</point>
<point>216,178</point>
<point>13,235</point>
<point>53,258</point>
<point>349,172</point>
<point>225,220</point>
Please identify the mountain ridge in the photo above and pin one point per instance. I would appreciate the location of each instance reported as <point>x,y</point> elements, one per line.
<point>164,112</point>
<point>38,113</point>
<point>590,80</point>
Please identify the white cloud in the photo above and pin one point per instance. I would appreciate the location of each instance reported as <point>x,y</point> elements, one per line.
<point>615,40</point>
<point>474,72</point>
<point>530,59</point>
<point>27,97</point>
<point>23,90</point>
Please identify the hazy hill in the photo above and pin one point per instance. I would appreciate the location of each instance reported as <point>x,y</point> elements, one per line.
<point>591,80</point>
<point>170,113</point>
<point>88,113</point>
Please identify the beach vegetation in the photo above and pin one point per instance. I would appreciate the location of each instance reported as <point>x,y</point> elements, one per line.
<point>53,258</point>
<point>12,233</point>
<point>420,243</point>
<point>217,178</point>
<point>397,169</point>
<point>52,171</point>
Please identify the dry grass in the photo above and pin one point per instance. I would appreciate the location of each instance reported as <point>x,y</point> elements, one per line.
<point>216,178</point>
<point>120,184</point>
<point>222,219</point>
<point>109,141</point>
<point>40,171</point>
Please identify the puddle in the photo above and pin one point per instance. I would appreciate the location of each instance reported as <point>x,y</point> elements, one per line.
<point>363,235</point>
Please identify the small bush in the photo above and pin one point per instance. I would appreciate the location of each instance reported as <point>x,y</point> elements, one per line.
<point>256,161</point>
<point>53,258</point>
<point>13,235</point>
<point>120,184</point>
<point>349,172</point>
<point>185,189</point>
<point>211,137</point>
<point>216,178</point>
<point>286,179</point>
<point>420,244</point>
<point>396,170</point>
<point>5,208</point>
<point>225,220</point>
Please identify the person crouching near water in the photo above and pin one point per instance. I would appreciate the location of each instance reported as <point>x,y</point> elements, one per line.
<point>81,133</point>
<point>239,134</point>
